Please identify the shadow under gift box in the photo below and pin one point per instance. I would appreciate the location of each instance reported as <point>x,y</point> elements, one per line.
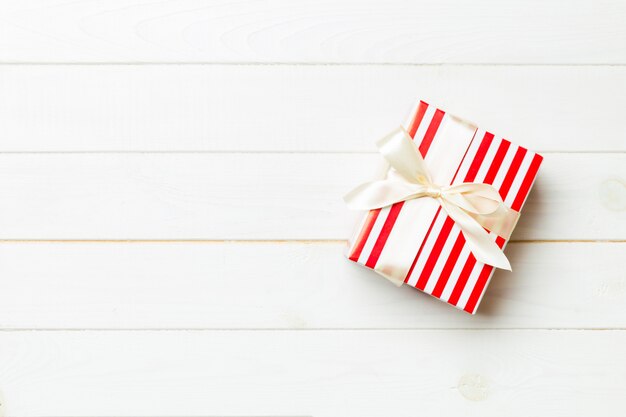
<point>417,236</point>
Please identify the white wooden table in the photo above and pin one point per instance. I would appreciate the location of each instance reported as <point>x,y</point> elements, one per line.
<point>172,229</point>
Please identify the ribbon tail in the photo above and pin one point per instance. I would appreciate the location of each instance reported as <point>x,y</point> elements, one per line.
<point>501,222</point>
<point>479,242</point>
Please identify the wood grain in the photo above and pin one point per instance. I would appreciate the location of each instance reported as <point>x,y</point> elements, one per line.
<point>313,373</point>
<point>263,196</point>
<point>449,31</point>
<point>291,286</point>
<point>291,108</point>
<point>171,224</point>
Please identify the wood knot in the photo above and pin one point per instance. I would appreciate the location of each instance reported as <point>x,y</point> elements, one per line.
<point>611,289</point>
<point>474,387</point>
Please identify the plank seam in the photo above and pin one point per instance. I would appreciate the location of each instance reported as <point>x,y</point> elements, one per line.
<point>264,152</point>
<point>262,241</point>
<point>310,64</point>
<point>309,329</point>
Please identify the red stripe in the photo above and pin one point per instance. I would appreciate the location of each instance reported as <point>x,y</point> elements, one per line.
<point>421,246</point>
<point>430,133</point>
<point>510,175</point>
<point>497,162</point>
<point>481,282</point>
<point>485,273</point>
<point>480,156</point>
<point>527,183</point>
<point>421,110</point>
<point>384,234</point>
<point>478,288</point>
<point>449,266</point>
<point>434,254</point>
<point>463,277</point>
<point>464,156</point>
<point>365,232</point>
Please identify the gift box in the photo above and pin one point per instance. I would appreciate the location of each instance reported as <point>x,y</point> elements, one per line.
<point>415,241</point>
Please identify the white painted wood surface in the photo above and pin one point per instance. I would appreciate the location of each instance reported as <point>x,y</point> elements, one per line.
<point>288,108</point>
<point>290,285</point>
<point>305,31</point>
<point>251,196</point>
<point>314,373</point>
<point>171,229</point>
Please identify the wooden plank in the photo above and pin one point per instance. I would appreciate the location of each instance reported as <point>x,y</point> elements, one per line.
<point>291,286</point>
<point>450,31</point>
<point>300,108</point>
<point>313,373</point>
<point>263,196</point>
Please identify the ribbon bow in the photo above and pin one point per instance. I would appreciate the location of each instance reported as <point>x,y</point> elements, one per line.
<point>474,207</point>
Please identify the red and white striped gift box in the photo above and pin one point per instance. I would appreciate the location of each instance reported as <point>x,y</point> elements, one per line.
<point>436,256</point>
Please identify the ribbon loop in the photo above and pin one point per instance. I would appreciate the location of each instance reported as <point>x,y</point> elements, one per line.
<point>475,207</point>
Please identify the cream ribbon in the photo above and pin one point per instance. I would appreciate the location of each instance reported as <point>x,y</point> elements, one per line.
<point>474,207</point>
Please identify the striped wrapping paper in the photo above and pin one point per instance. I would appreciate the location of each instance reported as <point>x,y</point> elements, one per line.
<point>440,263</point>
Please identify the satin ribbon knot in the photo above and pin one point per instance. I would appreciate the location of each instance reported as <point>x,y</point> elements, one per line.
<point>476,208</point>
<point>433,192</point>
